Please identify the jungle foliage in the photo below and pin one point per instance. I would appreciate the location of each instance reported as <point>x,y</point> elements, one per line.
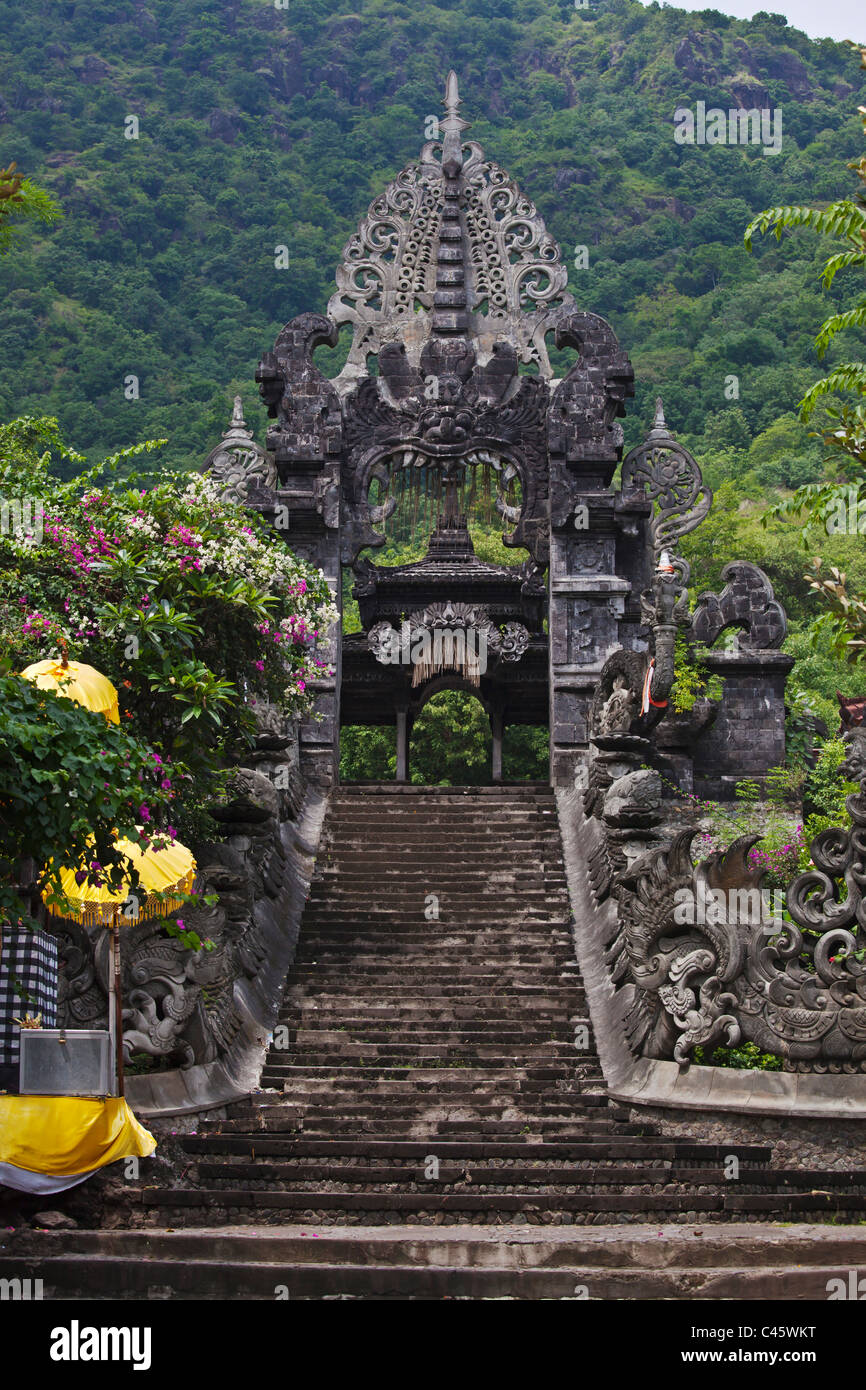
<point>260,127</point>
<point>186,144</point>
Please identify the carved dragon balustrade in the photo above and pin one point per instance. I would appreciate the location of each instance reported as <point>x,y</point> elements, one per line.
<point>703,955</point>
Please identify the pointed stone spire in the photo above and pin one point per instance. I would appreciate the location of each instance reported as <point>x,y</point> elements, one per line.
<point>238,462</point>
<point>452,129</point>
<point>237,429</point>
<point>449,300</point>
<point>659,427</point>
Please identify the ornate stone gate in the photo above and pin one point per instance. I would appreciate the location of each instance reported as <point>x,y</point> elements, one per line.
<point>455,291</point>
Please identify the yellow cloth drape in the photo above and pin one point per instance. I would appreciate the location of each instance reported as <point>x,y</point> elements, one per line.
<point>64,1135</point>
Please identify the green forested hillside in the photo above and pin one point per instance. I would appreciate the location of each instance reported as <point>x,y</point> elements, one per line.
<point>261,126</point>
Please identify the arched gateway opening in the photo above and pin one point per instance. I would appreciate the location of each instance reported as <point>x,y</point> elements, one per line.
<point>451,742</point>
<point>447,622</point>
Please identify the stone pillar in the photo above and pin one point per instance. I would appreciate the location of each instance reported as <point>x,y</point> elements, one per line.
<point>587,605</point>
<point>307,445</point>
<point>497,729</point>
<point>747,735</point>
<point>402,744</point>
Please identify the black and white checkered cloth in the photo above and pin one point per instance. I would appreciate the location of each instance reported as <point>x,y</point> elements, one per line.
<point>28,985</point>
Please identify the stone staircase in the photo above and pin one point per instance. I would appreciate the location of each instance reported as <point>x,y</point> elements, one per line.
<point>428,1126</point>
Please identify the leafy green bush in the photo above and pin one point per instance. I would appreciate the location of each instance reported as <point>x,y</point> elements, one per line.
<point>826,793</point>
<point>747,1057</point>
<point>692,679</point>
<point>191,606</point>
<point>69,783</point>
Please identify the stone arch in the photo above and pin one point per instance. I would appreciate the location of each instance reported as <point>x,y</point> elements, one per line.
<point>449,683</point>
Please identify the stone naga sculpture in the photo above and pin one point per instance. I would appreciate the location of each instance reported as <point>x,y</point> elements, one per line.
<point>706,961</point>
<point>633,688</point>
<point>665,473</point>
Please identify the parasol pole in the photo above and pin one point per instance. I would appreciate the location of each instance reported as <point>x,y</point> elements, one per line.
<point>118,1002</point>
<point>115,1003</point>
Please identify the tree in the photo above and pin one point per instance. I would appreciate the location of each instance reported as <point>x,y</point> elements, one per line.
<point>190,605</point>
<point>22,199</point>
<point>827,502</point>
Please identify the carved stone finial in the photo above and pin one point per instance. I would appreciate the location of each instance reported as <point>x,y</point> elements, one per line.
<point>671,479</point>
<point>237,428</point>
<point>238,462</point>
<point>747,603</point>
<point>451,249</point>
<point>452,129</point>
<point>659,427</point>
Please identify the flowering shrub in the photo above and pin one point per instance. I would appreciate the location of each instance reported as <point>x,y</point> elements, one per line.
<point>68,782</point>
<point>192,607</point>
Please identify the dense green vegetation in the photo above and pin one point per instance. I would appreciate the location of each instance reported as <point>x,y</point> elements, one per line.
<point>260,127</point>
<point>193,610</point>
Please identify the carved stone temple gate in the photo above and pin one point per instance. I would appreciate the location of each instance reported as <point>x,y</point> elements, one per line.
<point>455,290</point>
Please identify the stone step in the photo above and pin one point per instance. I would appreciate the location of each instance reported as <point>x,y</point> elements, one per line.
<point>456,1261</point>
<point>406,1055</point>
<point>471,1131</point>
<point>530,1205</point>
<point>439,831</point>
<point>453,1083</point>
<point>346,888</point>
<point>432,865</point>
<point>309,1014</point>
<point>427,1067</point>
<point>485,1033</point>
<point>303,1093</point>
<point>451,818</point>
<point>429,1074</point>
<point>508,939</point>
<point>445,954</point>
<point>630,1262</point>
<point>518,983</point>
<point>324,984</point>
<point>474,1177</point>
<point>635,1149</point>
<point>285,1081</point>
<point>316,1125</point>
<point>487,1010</point>
<point>319,1111</point>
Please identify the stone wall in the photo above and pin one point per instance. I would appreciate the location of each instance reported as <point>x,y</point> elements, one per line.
<point>205,1016</point>
<point>622,961</point>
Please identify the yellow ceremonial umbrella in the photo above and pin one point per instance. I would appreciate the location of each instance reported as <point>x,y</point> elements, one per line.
<point>170,870</point>
<point>167,872</point>
<point>77,681</point>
